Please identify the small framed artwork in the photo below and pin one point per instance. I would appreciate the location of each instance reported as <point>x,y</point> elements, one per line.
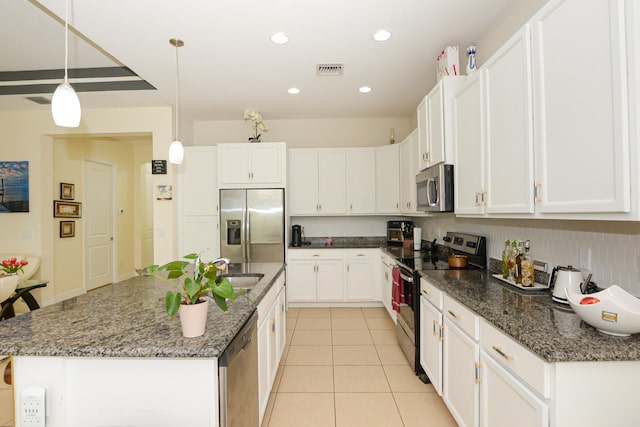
<point>63,209</point>
<point>164,192</point>
<point>67,191</point>
<point>67,228</point>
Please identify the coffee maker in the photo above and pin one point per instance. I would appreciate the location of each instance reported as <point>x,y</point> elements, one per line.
<point>296,235</point>
<point>399,231</point>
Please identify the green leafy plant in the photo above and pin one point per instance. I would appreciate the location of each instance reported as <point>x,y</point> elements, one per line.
<point>193,285</point>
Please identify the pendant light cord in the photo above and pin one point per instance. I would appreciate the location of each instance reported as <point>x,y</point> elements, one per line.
<point>177,88</point>
<point>66,39</point>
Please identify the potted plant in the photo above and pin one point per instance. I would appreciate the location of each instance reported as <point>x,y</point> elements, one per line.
<point>9,269</point>
<point>259,126</point>
<point>194,288</point>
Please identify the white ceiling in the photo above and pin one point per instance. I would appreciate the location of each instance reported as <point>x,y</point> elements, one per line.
<point>228,63</point>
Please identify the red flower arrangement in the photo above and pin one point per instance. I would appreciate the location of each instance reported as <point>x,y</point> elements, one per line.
<point>13,265</point>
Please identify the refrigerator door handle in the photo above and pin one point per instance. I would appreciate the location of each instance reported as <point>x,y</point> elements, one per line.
<point>247,234</point>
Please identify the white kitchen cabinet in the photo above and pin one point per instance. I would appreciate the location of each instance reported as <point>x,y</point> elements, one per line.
<point>271,335</point>
<point>315,276</point>
<point>388,179</point>
<point>514,382</point>
<point>317,181</point>
<point>469,143</point>
<point>386,284</point>
<point>361,180</point>
<point>360,275</point>
<point>581,114</point>
<point>435,123</point>
<point>509,156</point>
<point>461,363</point>
<point>431,333</point>
<point>198,202</point>
<point>408,153</point>
<point>252,165</point>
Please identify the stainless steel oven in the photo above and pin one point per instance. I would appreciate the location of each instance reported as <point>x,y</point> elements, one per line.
<point>407,331</point>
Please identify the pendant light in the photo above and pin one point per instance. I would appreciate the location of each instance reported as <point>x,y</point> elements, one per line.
<point>65,105</point>
<point>176,151</point>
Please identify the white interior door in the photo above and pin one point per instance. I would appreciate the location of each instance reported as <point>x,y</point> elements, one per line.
<point>147,238</point>
<point>98,220</point>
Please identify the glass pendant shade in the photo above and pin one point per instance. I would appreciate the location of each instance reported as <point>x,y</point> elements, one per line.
<point>176,152</point>
<point>65,106</point>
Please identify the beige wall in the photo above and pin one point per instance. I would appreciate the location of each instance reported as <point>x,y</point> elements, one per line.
<point>306,133</point>
<point>30,136</point>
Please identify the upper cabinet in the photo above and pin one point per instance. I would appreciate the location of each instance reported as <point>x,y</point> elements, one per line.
<point>509,149</point>
<point>361,180</point>
<point>581,101</point>
<point>435,124</point>
<point>543,130</point>
<point>252,165</point>
<point>317,181</point>
<point>388,179</point>
<point>408,152</point>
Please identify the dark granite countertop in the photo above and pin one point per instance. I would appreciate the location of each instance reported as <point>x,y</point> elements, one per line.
<point>128,319</point>
<point>549,329</point>
<point>343,243</point>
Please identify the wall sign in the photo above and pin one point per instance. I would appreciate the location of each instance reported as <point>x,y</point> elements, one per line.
<point>159,167</point>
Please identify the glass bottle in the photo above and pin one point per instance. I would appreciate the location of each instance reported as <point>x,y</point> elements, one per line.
<point>526,263</point>
<point>505,258</point>
<point>520,249</point>
<point>513,270</point>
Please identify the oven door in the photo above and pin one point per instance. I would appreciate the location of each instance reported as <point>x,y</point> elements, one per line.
<point>406,327</point>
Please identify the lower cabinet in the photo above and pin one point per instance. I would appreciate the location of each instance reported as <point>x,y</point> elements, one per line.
<point>271,339</point>
<point>461,363</point>
<point>331,275</point>
<point>431,339</point>
<point>386,284</point>
<point>505,401</point>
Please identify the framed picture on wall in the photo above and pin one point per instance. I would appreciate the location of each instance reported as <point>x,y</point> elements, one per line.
<point>62,209</point>
<point>67,228</point>
<point>67,191</point>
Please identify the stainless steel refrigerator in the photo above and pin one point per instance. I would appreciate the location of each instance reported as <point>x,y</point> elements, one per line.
<point>252,225</point>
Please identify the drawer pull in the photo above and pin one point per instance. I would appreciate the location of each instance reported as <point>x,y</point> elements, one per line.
<point>426,292</point>
<point>455,316</point>
<point>502,353</point>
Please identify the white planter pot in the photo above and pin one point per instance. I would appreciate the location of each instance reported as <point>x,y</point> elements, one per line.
<point>8,285</point>
<point>193,318</point>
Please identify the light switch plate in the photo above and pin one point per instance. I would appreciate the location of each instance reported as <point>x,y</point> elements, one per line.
<point>584,261</point>
<point>32,407</point>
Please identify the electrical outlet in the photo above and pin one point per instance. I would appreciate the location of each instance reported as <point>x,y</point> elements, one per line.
<point>584,261</point>
<point>32,407</point>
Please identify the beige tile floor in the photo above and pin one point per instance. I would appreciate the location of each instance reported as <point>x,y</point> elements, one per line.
<point>342,367</point>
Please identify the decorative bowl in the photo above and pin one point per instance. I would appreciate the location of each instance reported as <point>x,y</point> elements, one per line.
<point>614,311</point>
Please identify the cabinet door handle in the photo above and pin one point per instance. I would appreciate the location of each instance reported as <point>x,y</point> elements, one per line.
<point>350,207</point>
<point>479,199</point>
<point>347,268</point>
<point>441,333</point>
<point>436,330</point>
<point>536,189</point>
<point>426,292</point>
<point>502,353</point>
<point>452,314</point>
<point>477,366</point>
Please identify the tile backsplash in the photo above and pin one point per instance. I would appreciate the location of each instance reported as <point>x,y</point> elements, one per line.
<point>614,246</point>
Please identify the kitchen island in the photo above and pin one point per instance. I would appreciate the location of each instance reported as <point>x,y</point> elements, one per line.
<point>112,357</point>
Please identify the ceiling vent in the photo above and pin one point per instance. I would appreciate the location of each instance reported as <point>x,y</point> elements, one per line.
<point>329,69</point>
<point>39,100</point>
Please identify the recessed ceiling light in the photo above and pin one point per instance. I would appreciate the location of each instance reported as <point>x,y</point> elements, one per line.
<point>294,91</point>
<point>279,38</point>
<point>382,35</point>
<point>364,89</point>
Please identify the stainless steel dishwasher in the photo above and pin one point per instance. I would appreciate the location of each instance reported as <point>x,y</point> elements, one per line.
<point>238,377</point>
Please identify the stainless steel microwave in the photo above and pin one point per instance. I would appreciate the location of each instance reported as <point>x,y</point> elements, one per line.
<point>434,188</point>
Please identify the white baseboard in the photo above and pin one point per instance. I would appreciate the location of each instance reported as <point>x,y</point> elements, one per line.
<point>126,276</point>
